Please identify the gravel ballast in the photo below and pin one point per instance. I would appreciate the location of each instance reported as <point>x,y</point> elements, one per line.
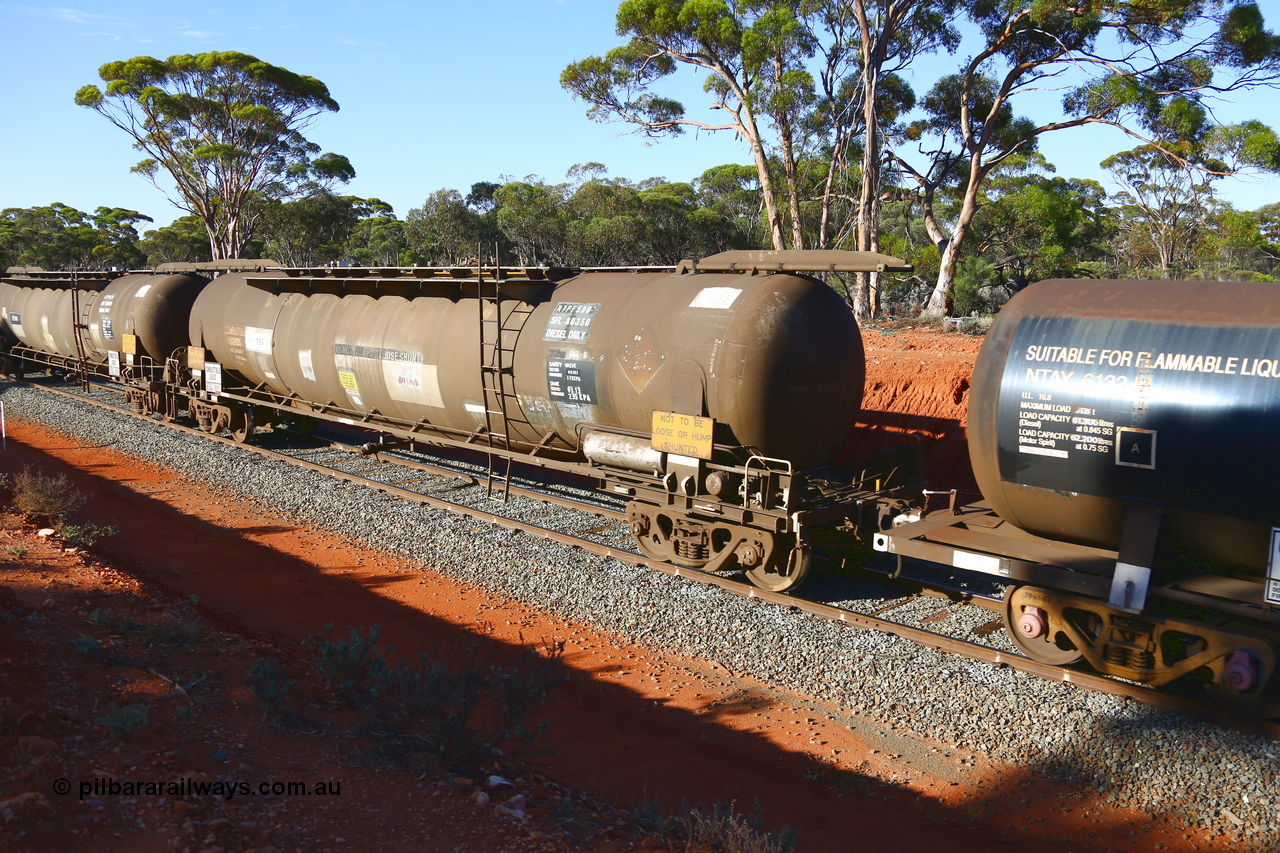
<point>1140,757</point>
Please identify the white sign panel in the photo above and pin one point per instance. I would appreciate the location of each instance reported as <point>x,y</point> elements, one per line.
<point>715,297</point>
<point>257,340</point>
<point>308,368</point>
<point>213,377</point>
<point>113,362</point>
<point>413,383</point>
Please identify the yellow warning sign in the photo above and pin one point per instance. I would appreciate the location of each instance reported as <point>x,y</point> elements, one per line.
<point>687,435</point>
<point>129,344</point>
<point>195,358</point>
<point>348,380</point>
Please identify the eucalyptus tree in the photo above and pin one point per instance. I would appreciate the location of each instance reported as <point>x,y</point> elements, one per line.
<point>754,54</point>
<point>1235,247</point>
<point>1033,225</point>
<point>532,216</point>
<point>800,81</point>
<point>445,230</point>
<point>378,239</point>
<point>316,229</point>
<point>1163,208</point>
<point>732,192</point>
<point>58,236</point>
<point>226,128</point>
<point>1152,69</point>
<point>886,37</point>
<point>184,240</point>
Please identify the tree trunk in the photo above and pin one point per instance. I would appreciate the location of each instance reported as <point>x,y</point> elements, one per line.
<point>824,221</point>
<point>936,307</point>
<point>793,190</point>
<point>949,249</point>
<point>867,302</point>
<point>767,193</point>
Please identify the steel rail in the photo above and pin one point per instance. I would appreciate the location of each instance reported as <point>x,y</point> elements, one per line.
<point>928,639</point>
<point>391,457</point>
<point>379,458</point>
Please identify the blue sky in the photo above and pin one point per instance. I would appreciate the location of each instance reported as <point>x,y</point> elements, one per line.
<point>433,94</point>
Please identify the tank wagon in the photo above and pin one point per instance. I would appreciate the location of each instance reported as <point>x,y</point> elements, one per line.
<point>1122,434</point>
<point>714,396</point>
<point>1119,431</point>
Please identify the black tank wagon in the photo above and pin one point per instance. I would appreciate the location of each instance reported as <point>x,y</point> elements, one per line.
<point>1123,434</point>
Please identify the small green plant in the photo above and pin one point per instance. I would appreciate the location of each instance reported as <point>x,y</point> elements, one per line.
<point>173,628</point>
<point>973,325</point>
<point>41,498</point>
<point>85,535</point>
<point>460,712</point>
<point>269,684</point>
<point>17,551</point>
<point>89,647</point>
<point>124,720</point>
<point>724,829</point>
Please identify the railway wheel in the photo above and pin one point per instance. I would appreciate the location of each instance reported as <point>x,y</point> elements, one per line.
<point>242,424</point>
<point>776,576</point>
<point>1031,621</point>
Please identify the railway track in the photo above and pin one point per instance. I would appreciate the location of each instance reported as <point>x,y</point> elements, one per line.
<point>338,456</point>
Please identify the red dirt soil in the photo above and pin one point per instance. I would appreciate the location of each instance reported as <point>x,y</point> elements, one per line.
<point>631,725</point>
<point>917,394</point>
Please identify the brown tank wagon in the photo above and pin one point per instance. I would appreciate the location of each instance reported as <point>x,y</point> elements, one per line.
<point>701,393</point>
<point>775,360</point>
<point>87,315</point>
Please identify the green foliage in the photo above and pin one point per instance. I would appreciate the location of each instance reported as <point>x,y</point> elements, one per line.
<point>601,221</point>
<point>42,498</point>
<point>123,721</point>
<point>444,231</point>
<point>85,535</point>
<point>269,684</point>
<point>61,237</point>
<point>725,829</point>
<point>462,711</point>
<point>973,276</point>
<point>1163,208</point>
<point>184,240</point>
<point>317,229</point>
<point>756,58</point>
<point>1152,69</point>
<point>378,239</point>
<point>226,128</point>
<point>1033,226</point>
